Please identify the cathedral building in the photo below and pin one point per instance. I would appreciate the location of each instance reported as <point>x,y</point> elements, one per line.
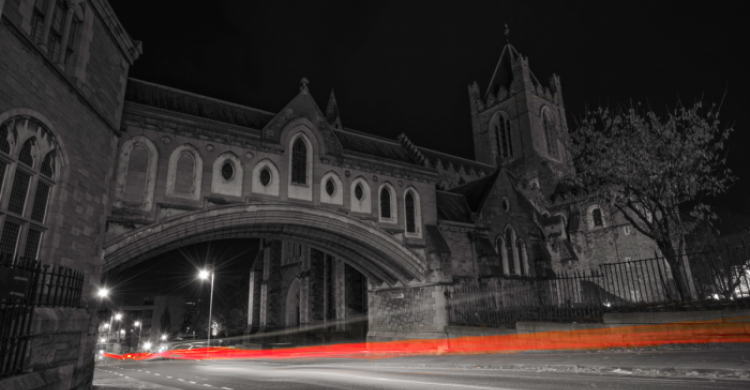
<point>361,234</point>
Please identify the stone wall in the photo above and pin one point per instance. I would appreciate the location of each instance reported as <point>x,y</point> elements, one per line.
<point>83,116</point>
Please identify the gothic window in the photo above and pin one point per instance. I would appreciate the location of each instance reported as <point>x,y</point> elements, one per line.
<point>509,250</point>
<point>521,250</point>
<point>500,247</point>
<point>361,201</point>
<point>410,213</point>
<point>502,136</point>
<point>136,180</point>
<point>299,162</point>
<point>30,180</point>
<point>330,187</point>
<point>227,171</point>
<point>265,177</point>
<point>597,217</point>
<point>184,180</point>
<point>385,203</point>
<point>60,40</point>
<point>550,132</point>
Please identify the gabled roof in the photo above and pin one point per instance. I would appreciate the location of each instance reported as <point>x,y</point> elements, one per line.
<point>476,191</point>
<point>373,146</point>
<point>166,98</point>
<point>452,207</point>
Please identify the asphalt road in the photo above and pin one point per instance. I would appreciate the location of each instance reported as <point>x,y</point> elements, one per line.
<point>236,375</point>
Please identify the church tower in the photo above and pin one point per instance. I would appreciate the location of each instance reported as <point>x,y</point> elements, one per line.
<point>520,123</point>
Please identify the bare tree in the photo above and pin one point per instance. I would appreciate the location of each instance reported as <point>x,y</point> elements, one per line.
<point>655,171</point>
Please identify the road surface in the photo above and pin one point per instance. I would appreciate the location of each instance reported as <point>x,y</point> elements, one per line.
<point>238,375</point>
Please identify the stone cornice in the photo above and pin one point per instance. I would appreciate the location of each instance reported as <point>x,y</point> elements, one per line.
<point>129,48</point>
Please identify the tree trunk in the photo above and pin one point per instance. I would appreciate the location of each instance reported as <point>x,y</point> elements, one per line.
<point>677,263</point>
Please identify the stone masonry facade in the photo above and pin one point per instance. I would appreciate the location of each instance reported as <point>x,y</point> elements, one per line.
<point>362,236</point>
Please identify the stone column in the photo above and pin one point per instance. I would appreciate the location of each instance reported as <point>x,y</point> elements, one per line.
<point>339,293</point>
<point>253,304</point>
<point>304,289</point>
<point>65,35</point>
<point>316,287</point>
<point>272,303</point>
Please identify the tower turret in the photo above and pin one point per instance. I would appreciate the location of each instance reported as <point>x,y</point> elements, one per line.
<point>520,123</point>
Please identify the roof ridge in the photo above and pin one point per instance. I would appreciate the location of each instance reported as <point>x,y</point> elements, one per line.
<point>362,133</point>
<point>475,180</point>
<point>200,96</point>
<point>458,157</point>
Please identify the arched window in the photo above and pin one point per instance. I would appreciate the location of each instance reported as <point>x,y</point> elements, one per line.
<point>185,178</point>
<point>500,248</point>
<point>501,127</point>
<point>185,173</point>
<point>509,250</point>
<point>410,213</point>
<point>135,182</point>
<point>299,162</point>
<point>265,177</point>
<point>60,39</point>
<point>523,260</point>
<point>31,176</point>
<point>597,217</point>
<point>550,132</point>
<point>385,203</point>
<point>359,193</point>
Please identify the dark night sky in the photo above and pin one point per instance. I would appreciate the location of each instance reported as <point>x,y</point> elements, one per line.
<point>404,66</point>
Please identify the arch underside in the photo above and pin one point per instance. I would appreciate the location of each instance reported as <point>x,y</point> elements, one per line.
<point>370,251</point>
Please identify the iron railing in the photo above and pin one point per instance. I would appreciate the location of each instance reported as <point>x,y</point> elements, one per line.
<point>716,278</point>
<point>27,284</point>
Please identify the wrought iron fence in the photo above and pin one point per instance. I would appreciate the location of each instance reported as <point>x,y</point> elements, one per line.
<point>24,285</point>
<point>715,278</point>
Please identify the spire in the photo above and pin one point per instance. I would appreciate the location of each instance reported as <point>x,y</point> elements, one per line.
<point>303,84</point>
<point>332,112</point>
<point>503,75</point>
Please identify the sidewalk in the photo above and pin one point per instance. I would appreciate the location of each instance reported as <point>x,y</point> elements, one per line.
<point>712,363</point>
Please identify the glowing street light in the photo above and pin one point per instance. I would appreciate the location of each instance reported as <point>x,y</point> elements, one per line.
<point>118,316</point>
<point>203,274</point>
<point>101,340</point>
<point>103,292</point>
<point>147,345</point>
<point>163,337</point>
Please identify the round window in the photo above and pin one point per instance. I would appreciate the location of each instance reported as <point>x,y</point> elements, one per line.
<point>265,177</point>
<point>227,170</point>
<point>330,187</point>
<point>359,192</point>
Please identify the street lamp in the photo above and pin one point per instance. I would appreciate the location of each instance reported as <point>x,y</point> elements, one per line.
<point>103,292</point>
<point>164,337</point>
<point>203,274</point>
<point>137,324</point>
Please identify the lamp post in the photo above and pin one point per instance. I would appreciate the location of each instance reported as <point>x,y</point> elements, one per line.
<point>204,275</point>
<point>137,324</point>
